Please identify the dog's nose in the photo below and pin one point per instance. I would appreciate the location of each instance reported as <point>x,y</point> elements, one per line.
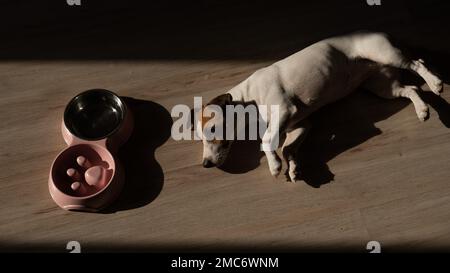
<point>207,163</point>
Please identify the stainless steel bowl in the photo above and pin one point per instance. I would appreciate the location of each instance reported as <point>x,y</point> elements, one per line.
<point>94,114</point>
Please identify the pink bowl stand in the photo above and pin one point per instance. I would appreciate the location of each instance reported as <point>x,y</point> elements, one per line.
<point>100,152</point>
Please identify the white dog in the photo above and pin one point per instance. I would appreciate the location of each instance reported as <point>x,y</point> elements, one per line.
<point>313,77</point>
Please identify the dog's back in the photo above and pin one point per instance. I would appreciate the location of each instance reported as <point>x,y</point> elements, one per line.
<point>322,72</point>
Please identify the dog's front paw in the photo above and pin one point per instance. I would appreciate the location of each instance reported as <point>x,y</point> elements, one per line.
<point>436,84</point>
<point>274,166</point>
<point>292,174</point>
<point>422,113</point>
<point>275,169</point>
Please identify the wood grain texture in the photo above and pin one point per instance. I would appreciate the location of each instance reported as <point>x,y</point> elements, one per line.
<point>372,170</point>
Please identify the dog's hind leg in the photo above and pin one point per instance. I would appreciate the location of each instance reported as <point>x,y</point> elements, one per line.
<point>385,85</point>
<point>411,92</point>
<point>294,138</point>
<point>378,48</point>
<point>432,80</point>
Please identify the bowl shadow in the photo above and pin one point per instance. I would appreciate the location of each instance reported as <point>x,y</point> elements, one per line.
<point>144,177</point>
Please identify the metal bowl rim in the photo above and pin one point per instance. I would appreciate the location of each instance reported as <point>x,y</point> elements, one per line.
<point>114,95</point>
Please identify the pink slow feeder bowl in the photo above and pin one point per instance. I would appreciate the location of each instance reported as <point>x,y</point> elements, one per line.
<point>87,176</point>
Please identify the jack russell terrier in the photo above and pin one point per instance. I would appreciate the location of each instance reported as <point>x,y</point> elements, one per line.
<point>311,78</point>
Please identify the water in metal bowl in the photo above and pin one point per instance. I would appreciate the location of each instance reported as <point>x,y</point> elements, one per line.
<point>94,114</point>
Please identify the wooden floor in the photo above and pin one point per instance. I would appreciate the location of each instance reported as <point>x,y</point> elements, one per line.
<point>372,170</point>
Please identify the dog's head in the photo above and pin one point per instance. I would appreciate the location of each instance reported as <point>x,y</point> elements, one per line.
<point>209,126</point>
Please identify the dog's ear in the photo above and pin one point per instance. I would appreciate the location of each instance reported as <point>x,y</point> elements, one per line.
<point>222,100</point>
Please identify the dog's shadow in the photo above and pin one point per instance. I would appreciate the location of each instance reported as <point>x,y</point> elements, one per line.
<point>244,156</point>
<point>144,177</point>
<point>335,128</point>
<point>340,127</point>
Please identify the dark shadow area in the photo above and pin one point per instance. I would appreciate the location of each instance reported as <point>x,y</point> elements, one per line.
<point>173,249</point>
<point>144,177</point>
<point>204,30</point>
<point>244,156</point>
<point>340,127</point>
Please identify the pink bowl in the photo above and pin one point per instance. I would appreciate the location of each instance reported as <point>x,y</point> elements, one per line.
<point>95,124</point>
<point>94,199</point>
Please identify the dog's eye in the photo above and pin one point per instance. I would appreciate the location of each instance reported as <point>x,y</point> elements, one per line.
<point>213,129</point>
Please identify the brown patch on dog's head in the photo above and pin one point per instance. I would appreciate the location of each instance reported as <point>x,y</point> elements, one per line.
<point>221,101</point>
